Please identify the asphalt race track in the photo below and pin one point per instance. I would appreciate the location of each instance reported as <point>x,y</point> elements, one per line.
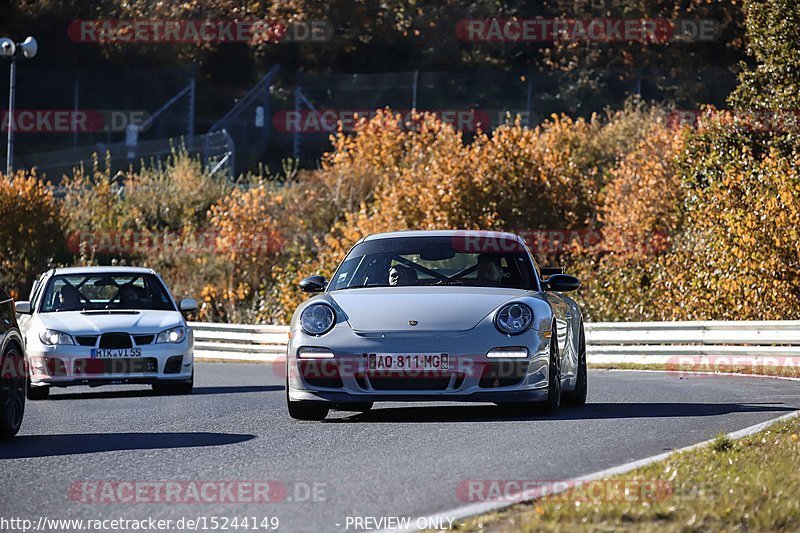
<point>398,460</point>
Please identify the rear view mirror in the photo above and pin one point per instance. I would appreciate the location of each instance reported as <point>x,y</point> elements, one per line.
<point>22,308</point>
<point>562,283</point>
<point>434,254</point>
<point>313,284</point>
<point>188,304</point>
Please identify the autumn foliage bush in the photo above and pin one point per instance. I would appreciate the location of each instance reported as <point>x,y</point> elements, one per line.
<point>31,231</point>
<point>738,256</point>
<point>425,176</point>
<point>694,223</point>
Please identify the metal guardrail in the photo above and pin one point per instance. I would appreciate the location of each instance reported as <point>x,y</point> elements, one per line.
<point>607,342</point>
<point>677,342</point>
<point>239,342</point>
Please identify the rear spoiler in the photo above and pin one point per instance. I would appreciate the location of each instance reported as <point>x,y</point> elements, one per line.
<point>549,271</point>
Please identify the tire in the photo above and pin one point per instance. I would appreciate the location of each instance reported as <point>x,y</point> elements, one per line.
<point>553,402</point>
<point>38,393</point>
<point>175,389</point>
<point>305,410</point>
<point>359,407</point>
<point>12,392</point>
<point>577,397</point>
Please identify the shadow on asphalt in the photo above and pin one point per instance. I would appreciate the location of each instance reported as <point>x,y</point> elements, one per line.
<point>140,393</point>
<point>591,411</point>
<point>26,446</point>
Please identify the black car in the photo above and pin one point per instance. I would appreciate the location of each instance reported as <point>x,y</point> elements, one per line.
<point>13,376</point>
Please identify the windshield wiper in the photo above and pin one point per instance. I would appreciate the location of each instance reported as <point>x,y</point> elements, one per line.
<point>364,286</point>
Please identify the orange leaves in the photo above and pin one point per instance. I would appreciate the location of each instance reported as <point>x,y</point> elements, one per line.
<point>31,232</point>
<point>391,176</point>
<point>245,228</point>
<point>643,195</point>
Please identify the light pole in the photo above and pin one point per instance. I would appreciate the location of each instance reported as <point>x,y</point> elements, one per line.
<point>11,50</point>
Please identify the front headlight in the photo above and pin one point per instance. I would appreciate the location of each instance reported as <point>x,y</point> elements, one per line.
<point>514,318</point>
<point>174,335</point>
<point>51,337</point>
<point>317,319</point>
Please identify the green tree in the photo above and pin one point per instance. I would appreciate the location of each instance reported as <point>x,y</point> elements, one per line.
<point>773,30</point>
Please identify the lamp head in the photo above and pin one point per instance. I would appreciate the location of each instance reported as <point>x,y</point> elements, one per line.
<point>29,47</point>
<point>7,47</point>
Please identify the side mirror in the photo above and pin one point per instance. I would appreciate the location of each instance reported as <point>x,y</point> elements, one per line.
<point>23,308</point>
<point>546,272</point>
<point>187,304</point>
<point>313,284</point>
<point>562,283</point>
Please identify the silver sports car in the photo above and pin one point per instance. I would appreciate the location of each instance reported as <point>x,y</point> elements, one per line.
<point>436,315</point>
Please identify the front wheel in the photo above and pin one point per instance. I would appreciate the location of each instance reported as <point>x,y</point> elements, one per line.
<point>12,392</point>
<point>553,402</point>
<point>171,389</point>
<point>359,407</point>
<point>577,397</point>
<point>38,393</point>
<point>305,410</point>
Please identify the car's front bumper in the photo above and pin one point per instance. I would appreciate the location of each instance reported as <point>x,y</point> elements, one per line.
<point>64,366</point>
<point>471,376</point>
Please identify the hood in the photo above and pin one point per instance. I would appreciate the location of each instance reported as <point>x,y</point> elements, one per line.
<point>434,308</point>
<point>92,322</point>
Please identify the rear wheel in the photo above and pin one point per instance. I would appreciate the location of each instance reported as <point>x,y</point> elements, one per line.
<point>12,392</point>
<point>577,397</point>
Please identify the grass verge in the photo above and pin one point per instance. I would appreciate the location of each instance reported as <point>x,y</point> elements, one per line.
<point>755,370</point>
<point>749,484</point>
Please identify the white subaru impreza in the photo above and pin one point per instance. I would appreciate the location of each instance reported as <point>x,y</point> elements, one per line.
<point>106,325</point>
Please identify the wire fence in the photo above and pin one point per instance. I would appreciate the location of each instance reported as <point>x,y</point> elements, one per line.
<point>134,117</point>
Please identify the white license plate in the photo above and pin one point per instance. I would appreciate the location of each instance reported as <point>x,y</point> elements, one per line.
<point>112,353</point>
<point>412,361</point>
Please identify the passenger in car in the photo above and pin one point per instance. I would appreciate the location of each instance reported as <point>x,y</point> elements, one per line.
<point>489,270</point>
<point>68,298</point>
<point>402,276</point>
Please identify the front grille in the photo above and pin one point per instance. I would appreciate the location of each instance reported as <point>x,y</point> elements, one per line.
<point>321,373</point>
<point>86,340</point>
<point>173,364</point>
<point>402,381</point>
<point>503,374</point>
<point>131,365</point>
<point>115,340</point>
<point>141,340</point>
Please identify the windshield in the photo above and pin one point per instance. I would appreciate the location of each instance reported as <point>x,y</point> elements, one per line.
<point>88,292</point>
<point>419,261</point>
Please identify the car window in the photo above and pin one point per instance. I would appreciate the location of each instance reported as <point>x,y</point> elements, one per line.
<point>421,261</point>
<point>80,292</point>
